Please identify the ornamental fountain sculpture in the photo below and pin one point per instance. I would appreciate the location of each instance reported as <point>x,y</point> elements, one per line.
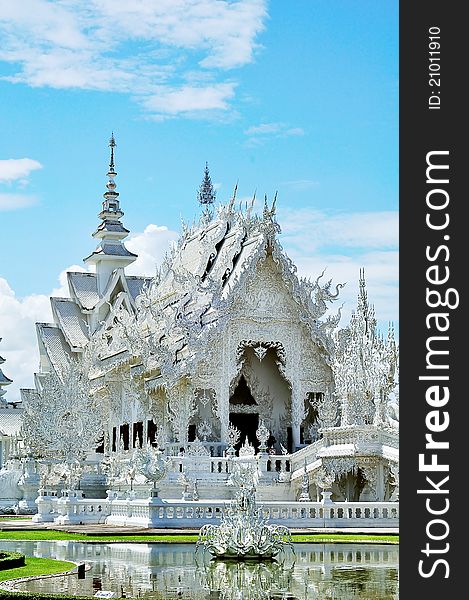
<point>244,532</point>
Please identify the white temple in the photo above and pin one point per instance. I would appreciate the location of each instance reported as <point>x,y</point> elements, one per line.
<point>225,355</point>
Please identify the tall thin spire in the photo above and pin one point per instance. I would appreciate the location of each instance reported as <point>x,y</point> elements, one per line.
<point>111,252</point>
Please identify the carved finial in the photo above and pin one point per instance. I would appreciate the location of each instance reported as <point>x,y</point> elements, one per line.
<point>112,145</point>
<point>250,207</point>
<point>111,194</point>
<point>270,225</point>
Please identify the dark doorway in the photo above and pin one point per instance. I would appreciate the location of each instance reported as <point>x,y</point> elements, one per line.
<point>151,432</point>
<point>191,433</point>
<point>124,435</point>
<point>242,394</point>
<point>247,423</point>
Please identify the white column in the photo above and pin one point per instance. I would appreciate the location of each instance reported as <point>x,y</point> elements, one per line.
<point>297,415</point>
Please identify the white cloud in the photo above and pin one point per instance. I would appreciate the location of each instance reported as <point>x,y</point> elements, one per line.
<point>140,48</point>
<point>14,201</point>
<point>151,246</point>
<point>14,173</point>
<point>12,169</point>
<point>19,346</point>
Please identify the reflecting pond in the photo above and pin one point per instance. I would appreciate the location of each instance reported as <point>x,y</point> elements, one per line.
<point>164,571</point>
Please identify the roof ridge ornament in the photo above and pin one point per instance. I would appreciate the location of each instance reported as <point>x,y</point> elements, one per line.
<point>269,224</point>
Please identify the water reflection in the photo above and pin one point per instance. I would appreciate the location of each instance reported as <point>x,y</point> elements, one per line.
<point>166,571</point>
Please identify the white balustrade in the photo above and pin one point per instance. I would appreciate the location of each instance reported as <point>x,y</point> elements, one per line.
<point>160,513</point>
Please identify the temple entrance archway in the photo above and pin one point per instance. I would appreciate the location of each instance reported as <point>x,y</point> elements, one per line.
<point>260,392</point>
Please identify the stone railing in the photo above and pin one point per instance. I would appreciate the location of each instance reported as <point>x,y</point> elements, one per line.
<point>214,448</point>
<point>276,466</point>
<point>333,514</point>
<point>72,508</point>
<point>366,435</point>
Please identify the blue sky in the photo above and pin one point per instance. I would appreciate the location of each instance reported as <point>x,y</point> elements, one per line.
<point>299,97</point>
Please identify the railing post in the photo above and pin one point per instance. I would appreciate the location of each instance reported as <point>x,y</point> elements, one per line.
<point>326,505</point>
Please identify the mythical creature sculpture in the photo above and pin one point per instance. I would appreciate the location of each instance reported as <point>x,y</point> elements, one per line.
<point>323,294</point>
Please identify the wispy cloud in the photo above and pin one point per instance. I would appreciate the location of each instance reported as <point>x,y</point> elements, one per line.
<point>149,50</point>
<point>14,201</point>
<point>258,134</point>
<point>14,176</point>
<point>190,100</point>
<point>273,129</point>
<point>312,229</point>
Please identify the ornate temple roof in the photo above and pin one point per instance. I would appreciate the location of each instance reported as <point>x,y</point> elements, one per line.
<point>54,344</point>
<point>84,289</point>
<point>71,321</point>
<point>190,296</point>
<point>201,278</point>
<point>10,421</point>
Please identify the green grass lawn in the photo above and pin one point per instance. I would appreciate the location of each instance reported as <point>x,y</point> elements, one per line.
<point>52,535</point>
<point>37,566</point>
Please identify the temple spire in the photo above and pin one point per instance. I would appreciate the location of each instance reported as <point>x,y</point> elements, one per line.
<point>206,194</point>
<point>112,145</point>
<point>111,209</point>
<point>111,252</point>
